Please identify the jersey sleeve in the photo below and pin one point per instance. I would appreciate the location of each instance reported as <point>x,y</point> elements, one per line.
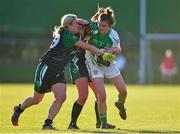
<point>69,39</point>
<point>115,39</point>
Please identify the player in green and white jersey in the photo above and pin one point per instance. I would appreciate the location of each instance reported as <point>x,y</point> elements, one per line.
<point>81,79</point>
<point>108,40</point>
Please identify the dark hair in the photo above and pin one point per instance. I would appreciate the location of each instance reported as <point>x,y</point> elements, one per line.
<point>108,16</point>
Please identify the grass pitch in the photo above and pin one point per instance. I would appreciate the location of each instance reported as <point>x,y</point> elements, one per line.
<point>150,109</point>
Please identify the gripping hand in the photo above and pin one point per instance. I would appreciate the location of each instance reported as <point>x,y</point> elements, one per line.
<point>108,57</point>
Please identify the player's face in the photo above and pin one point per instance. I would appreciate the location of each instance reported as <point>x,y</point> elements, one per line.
<point>74,27</point>
<point>80,28</point>
<point>103,27</point>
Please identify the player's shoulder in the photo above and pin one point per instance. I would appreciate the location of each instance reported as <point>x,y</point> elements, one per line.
<point>69,35</point>
<point>113,33</point>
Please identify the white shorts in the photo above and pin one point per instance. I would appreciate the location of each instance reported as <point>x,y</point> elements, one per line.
<point>100,72</point>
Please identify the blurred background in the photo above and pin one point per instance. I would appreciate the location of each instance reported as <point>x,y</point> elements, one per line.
<point>26,32</point>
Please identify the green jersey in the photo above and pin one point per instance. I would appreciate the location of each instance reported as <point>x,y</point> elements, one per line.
<point>61,51</point>
<point>111,39</point>
<point>101,41</point>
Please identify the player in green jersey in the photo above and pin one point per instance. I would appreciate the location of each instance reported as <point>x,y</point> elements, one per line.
<point>49,75</point>
<point>80,77</point>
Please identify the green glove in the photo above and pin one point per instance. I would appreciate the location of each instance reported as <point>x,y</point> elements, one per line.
<point>108,57</point>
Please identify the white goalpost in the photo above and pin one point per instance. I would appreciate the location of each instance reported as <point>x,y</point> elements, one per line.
<point>145,70</point>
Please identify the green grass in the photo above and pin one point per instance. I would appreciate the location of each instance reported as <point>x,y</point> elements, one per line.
<point>150,109</point>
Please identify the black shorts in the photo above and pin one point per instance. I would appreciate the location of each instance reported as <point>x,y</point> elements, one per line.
<point>78,70</point>
<point>46,76</point>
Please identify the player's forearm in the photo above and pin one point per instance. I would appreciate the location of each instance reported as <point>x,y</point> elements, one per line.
<point>88,47</point>
<point>113,50</point>
<point>117,51</point>
<point>95,50</point>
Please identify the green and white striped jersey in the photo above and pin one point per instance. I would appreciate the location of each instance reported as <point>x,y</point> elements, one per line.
<point>111,39</point>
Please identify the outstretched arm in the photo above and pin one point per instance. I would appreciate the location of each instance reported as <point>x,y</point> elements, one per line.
<point>113,50</point>
<point>88,47</point>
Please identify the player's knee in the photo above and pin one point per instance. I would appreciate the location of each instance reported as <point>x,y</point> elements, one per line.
<point>102,97</point>
<point>60,98</point>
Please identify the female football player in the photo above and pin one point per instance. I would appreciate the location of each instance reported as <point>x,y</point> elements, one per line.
<point>80,77</point>
<point>49,75</point>
<point>107,39</point>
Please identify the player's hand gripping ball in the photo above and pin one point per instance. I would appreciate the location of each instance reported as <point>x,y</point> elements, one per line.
<point>108,57</point>
<point>104,60</point>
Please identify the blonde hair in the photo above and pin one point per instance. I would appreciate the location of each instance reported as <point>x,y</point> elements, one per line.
<point>65,20</point>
